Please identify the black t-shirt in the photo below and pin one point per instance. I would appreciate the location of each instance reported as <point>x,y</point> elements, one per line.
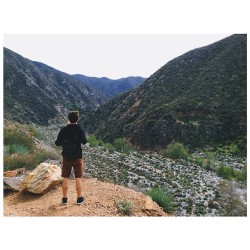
<point>79,133</point>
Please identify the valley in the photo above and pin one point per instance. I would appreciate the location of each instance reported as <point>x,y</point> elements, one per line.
<point>196,191</point>
<point>196,103</point>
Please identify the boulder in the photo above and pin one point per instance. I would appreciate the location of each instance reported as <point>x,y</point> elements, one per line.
<point>58,163</point>
<point>12,183</point>
<point>42,178</point>
<point>151,208</point>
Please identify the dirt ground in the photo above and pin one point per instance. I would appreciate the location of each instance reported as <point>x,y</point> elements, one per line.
<point>100,200</point>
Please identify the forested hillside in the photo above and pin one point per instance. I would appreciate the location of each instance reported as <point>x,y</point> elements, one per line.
<point>196,99</point>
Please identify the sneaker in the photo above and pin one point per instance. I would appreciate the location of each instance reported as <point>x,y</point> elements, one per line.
<point>79,200</point>
<point>65,201</point>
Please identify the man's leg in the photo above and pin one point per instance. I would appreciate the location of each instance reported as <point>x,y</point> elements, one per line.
<point>78,169</point>
<point>65,187</point>
<point>79,187</point>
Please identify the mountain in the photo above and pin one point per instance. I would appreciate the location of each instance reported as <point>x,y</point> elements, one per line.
<point>111,87</point>
<point>197,98</point>
<point>37,93</point>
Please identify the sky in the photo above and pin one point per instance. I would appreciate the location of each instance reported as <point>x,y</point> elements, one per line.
<point>107,55</point>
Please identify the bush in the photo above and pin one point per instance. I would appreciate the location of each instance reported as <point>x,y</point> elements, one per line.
<point>15,149</point>
<point>93,141</point>
<point>233,149</point>
<point>125,207</point>
<point>176,151</point>
<point>225,172</point>
<point>121,145</point>
<point>20,150</point>
<point>162,198</point>
<point>238,147</point>
<point>207,162</point>
<point>242,175</point>
<point>29,160</point>
<point>18,137</point>
<point>108,146</point>
<point>229,173</point>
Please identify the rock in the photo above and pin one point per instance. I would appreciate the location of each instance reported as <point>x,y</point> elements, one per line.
<point>213,204</point>
<point>10,173</point>
<point>151,208</point>
<point>59,164</point>
<point>13,173</point>
<point>149,204</point>
<point>42,178</point>
<point>13,183</point>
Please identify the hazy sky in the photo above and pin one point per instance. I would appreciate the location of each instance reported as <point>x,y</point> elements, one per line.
<point>113,56</point>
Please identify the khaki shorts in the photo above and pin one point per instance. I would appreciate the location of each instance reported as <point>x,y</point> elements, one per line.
<point>77,165</point>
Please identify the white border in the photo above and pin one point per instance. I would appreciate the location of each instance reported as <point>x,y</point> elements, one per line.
<point>124,17</point>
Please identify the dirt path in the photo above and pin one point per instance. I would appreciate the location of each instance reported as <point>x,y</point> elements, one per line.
<point>100,200</point>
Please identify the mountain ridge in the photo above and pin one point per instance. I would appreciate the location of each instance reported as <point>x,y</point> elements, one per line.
<point>196,98</point>
<point>35,92</point>
<point>111,87</point>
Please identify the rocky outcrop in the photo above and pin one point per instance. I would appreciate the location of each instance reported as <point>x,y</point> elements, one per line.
<point>12,183</point>
<point>151,208</point>
<point>42,178</point>
<point>13,178</point>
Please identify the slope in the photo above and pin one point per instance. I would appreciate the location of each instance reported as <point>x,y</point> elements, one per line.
<point>196,98</point>
<point>100,200</point>
<point>37,93</point>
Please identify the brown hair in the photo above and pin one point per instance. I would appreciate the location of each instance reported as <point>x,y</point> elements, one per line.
<point>73,116</point>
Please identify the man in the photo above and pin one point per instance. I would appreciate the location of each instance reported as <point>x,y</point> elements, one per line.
<point>70,138</point>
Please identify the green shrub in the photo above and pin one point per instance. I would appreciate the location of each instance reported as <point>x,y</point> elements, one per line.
<point>230,173</point>
<point>15,149</point>
<point>198,160</point>
<point>225,172</point>
<point>242,145</point>
<point>121,145</point>
<point>124,207</point>
<point>207,162</point>
<point>20,150</point>
<point>108,146</point>
<point>34,131</point>
<point>242,175</point>
<point>238,147</point>
<point>18,137</point>
<point>93,141</point>
<point>162,198</point>
<point>233,149</point>
<point>29,160</point>
<point>176,151</point>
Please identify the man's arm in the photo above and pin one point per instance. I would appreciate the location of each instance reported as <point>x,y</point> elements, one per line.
<point>83,136</point>
<point>58,141</point>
